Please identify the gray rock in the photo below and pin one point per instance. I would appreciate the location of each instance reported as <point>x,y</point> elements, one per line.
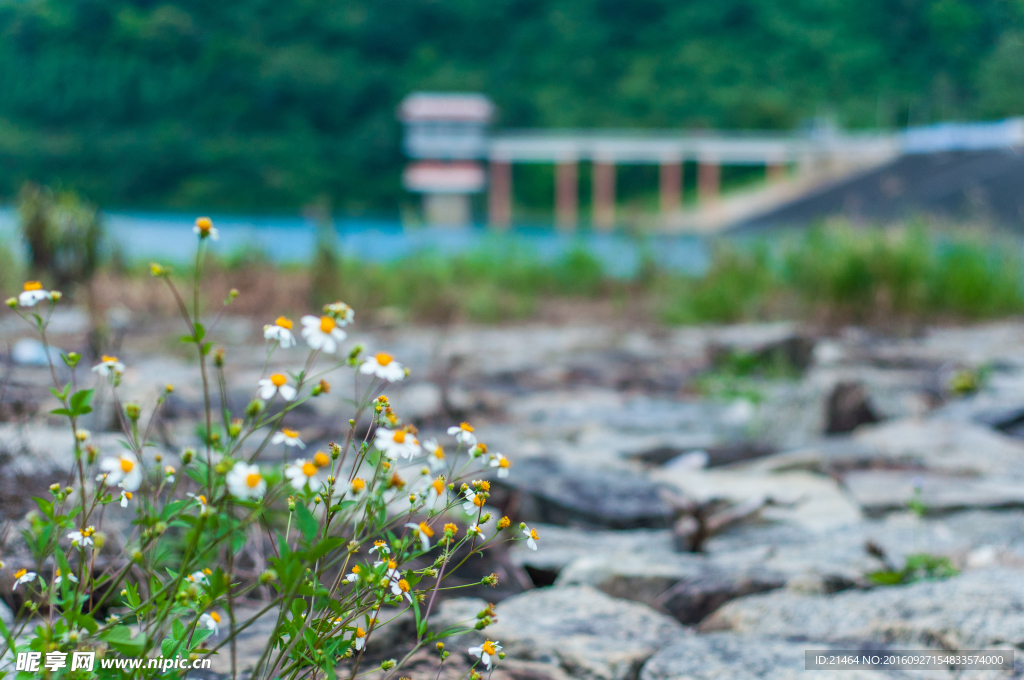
<point>848,407</point>
<point>558,546</point>
<point>721,656</point>
<point>881,491</point>
<point>554,494</point>
<point>976,610</point>
<point>588,634</point>
<point>637,576</point>
<point>693,599</point>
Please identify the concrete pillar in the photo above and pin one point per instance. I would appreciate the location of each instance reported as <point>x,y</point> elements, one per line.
<point>499,197</point>
<point>775,171</point>
<point>709,179</point>
<point>566,195</point>
<point>670,187</point>
<point>447,210</point>
<point>603,195</point>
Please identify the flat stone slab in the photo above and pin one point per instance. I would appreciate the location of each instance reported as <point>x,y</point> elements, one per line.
<point>881,491</point>
<point>978,609</point>
<point>588,634</point>
<point>721,656</point>
<point>556,494</point>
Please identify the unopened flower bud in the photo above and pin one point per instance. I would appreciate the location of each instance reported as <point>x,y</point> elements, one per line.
<point>12,303</point>
<point>159,528</point>
<point>168,388</point>
<point>157,269</point>
<point>388,664</point>
<point>218,357</point>
<point>68,490</point>
<point>132,410</point>
<point>187,455</point>
<point>268,576</point>
<point>136,556</point>
<point>56,295</point>
<point>236,428</point>
<point>440,646</point>
<point>254,408</point>
<point>504,523</point>
<point>291,503</point>
<point>55,488</point>
<point>72,359</point>
<point>335,450</point>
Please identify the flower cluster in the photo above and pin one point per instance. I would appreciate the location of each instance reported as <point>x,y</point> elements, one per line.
<point>329,540</point>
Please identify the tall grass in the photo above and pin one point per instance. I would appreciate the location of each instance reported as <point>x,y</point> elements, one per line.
<point>836,274</point>
<point>839,273</point>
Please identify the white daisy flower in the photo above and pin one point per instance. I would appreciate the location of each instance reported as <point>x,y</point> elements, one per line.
<point>397,443</point>
<point>245,481</point>
<point>201,577</point>
<point>276,383</point>
<point>358,486</point>
<point>502,463</point>
<point>288,438</point>
<point>23,576</point>
<point>435,492</point>
<point>281,331</point>
<point>401,587</point>
<point>475,529</point>
<point>57,578</point>
<point>322,332</point>
<point>204,229</point>
<point>201,499</point>
<point>384,367</point>
<point>301,472</point>
<point>381,547</point>
<point>126,496</point>
<point>425,533</point>
<point>531,537</point>
<point>359,635</point>
<point>211,621</point>
<point>463,434</point>
<point>82,538</point>
<point>169,474</point>
<point>474,502</point>
<point>124,471</point>
<point>108,365</point>
<point>391,574</point>
<point>354,576</point>
<point>487,652</point>
<point>340,312</point>
<point>435,455</point>
<point>32,294</point>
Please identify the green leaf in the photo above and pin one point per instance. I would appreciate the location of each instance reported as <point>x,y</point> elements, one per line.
<point>307,524</point>
<point>177,630</point>
<point>120,638</point>
<point>80,402</point>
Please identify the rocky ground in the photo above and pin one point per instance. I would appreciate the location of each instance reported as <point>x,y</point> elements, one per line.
<point>711,502</point>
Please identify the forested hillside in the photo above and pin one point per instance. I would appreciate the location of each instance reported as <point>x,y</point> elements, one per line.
<point>268,104</point>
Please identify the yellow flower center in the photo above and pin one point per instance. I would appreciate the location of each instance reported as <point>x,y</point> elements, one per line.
<point>253,479</point>
<point>379,544</point>
<point>478,501</point>
<point>358,484</point>
<point>33,285</point>
<point>291,434</point>
<point>392,564</point>
<point>277,380</point>
<point>208,571</point>
<point>504,463</point>
<point>128,495</point>
<point>283,322</point>
<point>488,648</point>
<point>438,485</point>
<point>426,530</point>
<point>205,224</point>
<point>481,448</point>
<point>215,616</point>
<point>20,573</point>
<point>400,437</point>
<point>108,359</point>
<point>403,585</point>
<point>465,427</point>
<point>308,469</point>
<point>360,633</point>
<point>483,485</point>
<point>327,324</point>
<point>88,531</point>
<point>356,569</point>
<point>533,534</point>
<point>439,453</point>
<point>201,499</point>
<point>127,465</point>
<point>451,528</point>
<point>321,459</point>
<point>383,359</point>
